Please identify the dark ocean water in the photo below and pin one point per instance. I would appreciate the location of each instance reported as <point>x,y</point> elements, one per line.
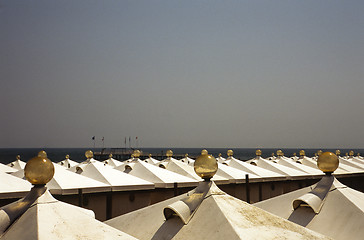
<point>8,155</point>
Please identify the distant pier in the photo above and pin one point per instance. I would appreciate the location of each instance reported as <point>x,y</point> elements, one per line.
<point>123,154</point>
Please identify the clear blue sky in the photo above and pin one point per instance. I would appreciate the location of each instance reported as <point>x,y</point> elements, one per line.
<point>182,73</point>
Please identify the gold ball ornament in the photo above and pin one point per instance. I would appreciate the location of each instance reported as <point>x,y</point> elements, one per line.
<point>204,152</point>
<point>89,154</point>
<point>42,154</point>
<point>39,170</point>
<point>302,153</point>
<point>169,153</point>
<point>337,152</point>
<point>279,153</point>
<point>136,154</point>
<point>110,155</point>
<point>258,152</point>
<point>205,166</point>
<point>328,162</point>
<point>67,156</point>
<point>17,157</point>
<point>351,153</point>
<point>230,153</point>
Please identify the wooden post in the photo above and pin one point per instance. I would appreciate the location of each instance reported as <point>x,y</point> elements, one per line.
<point>80,198</point>
<point>175,189</point>
<point>247,188</point>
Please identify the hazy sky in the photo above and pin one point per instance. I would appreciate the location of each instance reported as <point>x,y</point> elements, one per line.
<point>182,73</point>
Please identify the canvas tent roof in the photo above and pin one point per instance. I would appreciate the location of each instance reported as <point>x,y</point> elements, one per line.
<point>208,213</point>
<point>119,181</point>
<point>48,218</point>
<point>162,178</point>
<point>338,212</point>
<point>66,182</point>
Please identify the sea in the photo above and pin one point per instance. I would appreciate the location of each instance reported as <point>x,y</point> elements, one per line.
<point>8,155</point>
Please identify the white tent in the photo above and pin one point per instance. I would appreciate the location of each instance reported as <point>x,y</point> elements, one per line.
<point>12,187</point>
<point>67,162</point>
<point>66,182</point>
<point>118,181</point>
<point>328,207</point>
<point>252,169</point>
<point>151,160</point>
<point>187,160</point>
<point>112,162</point>
<point>48,218</point>
<point>162,178</point>
<point>187,170</point>
<point>17,164</point>
<point>274,167</point>
<point>7,169</point>
<point>207,213</point>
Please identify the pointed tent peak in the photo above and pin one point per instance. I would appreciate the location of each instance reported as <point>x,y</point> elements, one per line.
<point>315,198</point>
<point>205,165</point>
<point>89,154</point>
<point>258,152</point>
<point>186,207</point>
<point>17,157</point>
<point>39,170</point>
<point>328,162</point>
<point>337,152</point>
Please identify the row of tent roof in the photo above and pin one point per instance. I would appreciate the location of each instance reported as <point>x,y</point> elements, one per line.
<point>327,208</point>
<point>135,174</point>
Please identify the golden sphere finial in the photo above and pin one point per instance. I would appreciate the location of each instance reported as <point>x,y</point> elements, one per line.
<point>89,154</point>
<point>302,153</point>
<point>110,155</point>
<point>17,157</point>
<point>294,154</point>
<point>136,153</point>
<point>186,155</point>
<point>351,153</point>
<point>204,152</point>
<point>67,156</point>
<point>42,154</point>
<point>219,154</point>
<point>279,153</point>
<point>39,170</point>
<point>169,153</point>
<point>337,152</point>
<point>205,166</point>
<point>258,153</point>
<point>319,152</point>
<point>150,155</point>
<point>328,162</point>
<point>230,153</point>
